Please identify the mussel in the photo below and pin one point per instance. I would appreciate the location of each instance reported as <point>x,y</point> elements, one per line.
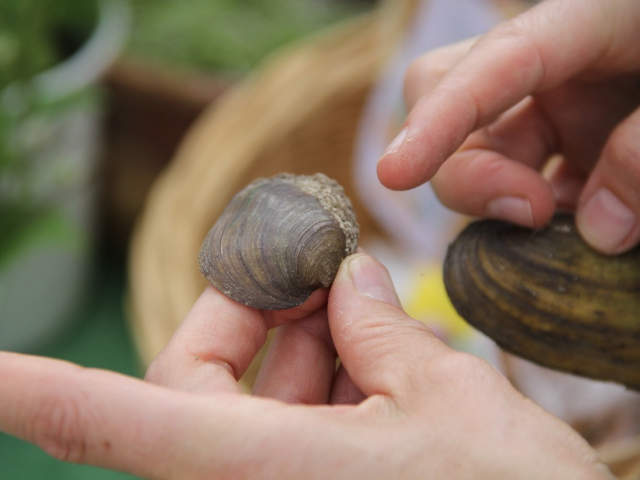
<point>279,239</point>
<point>547,296</point>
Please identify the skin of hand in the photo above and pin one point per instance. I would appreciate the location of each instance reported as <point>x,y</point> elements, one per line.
<point>561,80</point>
<point>402,405</point>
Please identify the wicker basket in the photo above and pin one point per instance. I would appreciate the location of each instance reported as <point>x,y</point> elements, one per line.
<point>150,109</point>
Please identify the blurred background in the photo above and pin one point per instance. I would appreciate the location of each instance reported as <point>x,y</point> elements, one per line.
<point>127,125</point>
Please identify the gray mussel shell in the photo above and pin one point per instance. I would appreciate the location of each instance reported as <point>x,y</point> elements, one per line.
<point>549,297</point>
<point>279,239</point>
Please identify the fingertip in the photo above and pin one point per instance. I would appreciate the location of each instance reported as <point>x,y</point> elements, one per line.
<point>213,304</point>
<point>361,292</point>
<point>397,143</point>
<point>543,211</point>
<point>377,342</point>
<point>607,223</point>
<point>362,275</point>
<point>536,206</point>
<point>485,183</point>
<point>521,210</point>
<point>608,215</point>
<point>316,301</point>
<point>403,164</point>
<point>398,171</point>
<point>212,347</point>
<point>511,208</point>
<point>389,174</point>
<point>212,298</point>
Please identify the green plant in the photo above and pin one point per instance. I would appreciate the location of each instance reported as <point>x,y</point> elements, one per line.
<point>226,35</point>
<point>34,36</point>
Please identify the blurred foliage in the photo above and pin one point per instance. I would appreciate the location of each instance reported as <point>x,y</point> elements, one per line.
<point>226,35</point>
<point>11,221</point>
<point>35,35</point>
<point>210,35</point>
<point>24,226</point>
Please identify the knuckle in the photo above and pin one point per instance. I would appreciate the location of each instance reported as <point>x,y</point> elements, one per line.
<point>526,65</point>
<point>448,180</point>
<point>59,429</point>
<point>412,80</point>
<point>458,366</point>
<point>376,406</point>
<point>422,75</point>
<point>516,30</point>
<point>388,332</point>
<point>154,373</point>
<point>456,184</point>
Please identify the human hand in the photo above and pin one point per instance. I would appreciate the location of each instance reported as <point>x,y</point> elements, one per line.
<point>409,407</point>
<point>486,114</point>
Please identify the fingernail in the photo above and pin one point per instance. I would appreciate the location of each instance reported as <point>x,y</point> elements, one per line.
<point>513,209</point>
<point>371,279</point>
<point>605,221</point>
<point>397,142</point>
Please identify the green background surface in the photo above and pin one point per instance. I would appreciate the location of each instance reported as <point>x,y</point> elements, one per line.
<point>97,337</point>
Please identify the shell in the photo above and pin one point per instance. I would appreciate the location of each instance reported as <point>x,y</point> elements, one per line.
<point>279,239</point>
<point>548,297</point>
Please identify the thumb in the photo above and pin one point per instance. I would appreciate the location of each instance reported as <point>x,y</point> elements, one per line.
<point>383,349</point>
<point>608,214</point>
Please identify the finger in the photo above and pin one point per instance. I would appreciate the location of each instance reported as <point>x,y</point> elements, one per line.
<point>383,350</point>
<point>300,362</point>
<point>506,155</point>
<point>212,348</point>
<point>344,391</point>
<point>112,421</point>
<point>609,207</point>
<point>426,71</point>
<point>508,190</point>
<point>523,134</point>
<point>316,301</point>
<point>513,61</point>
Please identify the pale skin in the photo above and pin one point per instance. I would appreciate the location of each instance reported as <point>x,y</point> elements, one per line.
<point>402,405</point>
<point>409,406</point>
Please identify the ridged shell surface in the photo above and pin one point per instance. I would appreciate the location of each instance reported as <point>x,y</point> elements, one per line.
<point>549,297</point>
<point>279,239</point>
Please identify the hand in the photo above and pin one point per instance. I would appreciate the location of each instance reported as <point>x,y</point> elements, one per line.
<point>486,115</point>
<point>403,406</point>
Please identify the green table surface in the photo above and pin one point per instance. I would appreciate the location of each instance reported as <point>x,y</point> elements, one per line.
<point>97,337</point>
